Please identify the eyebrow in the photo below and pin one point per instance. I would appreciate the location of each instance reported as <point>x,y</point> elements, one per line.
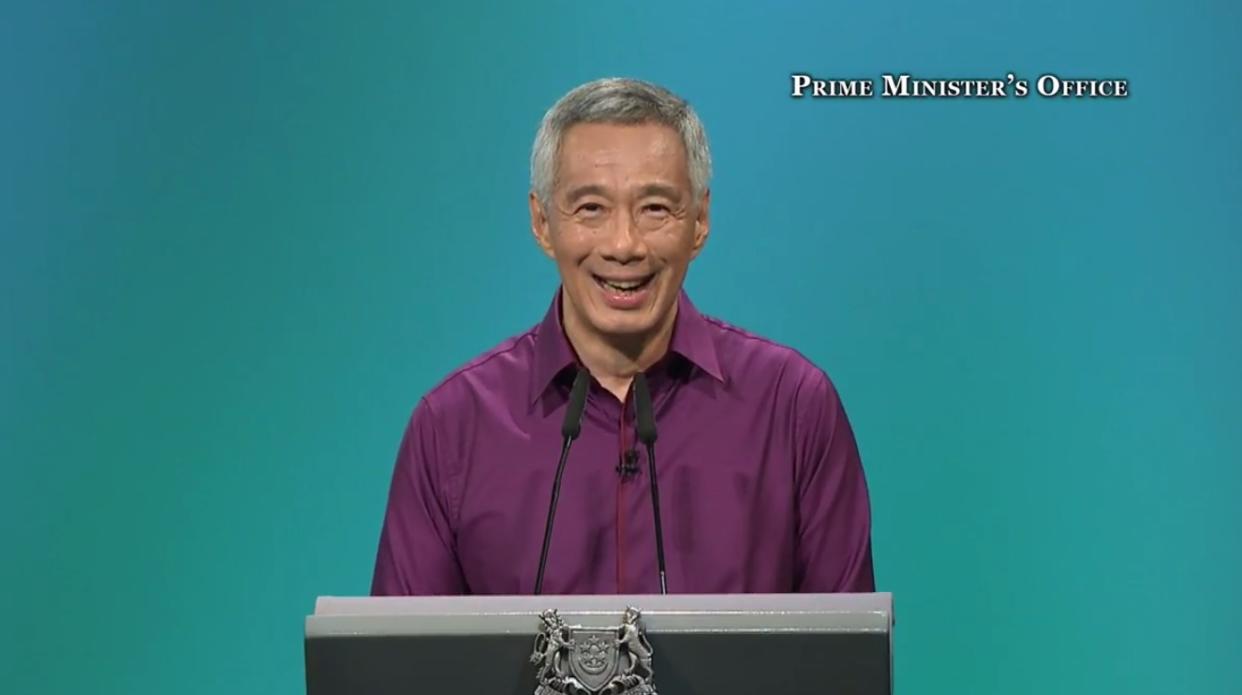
<point>659,189</point>
<point>650,189</point>
<point>586,190</point>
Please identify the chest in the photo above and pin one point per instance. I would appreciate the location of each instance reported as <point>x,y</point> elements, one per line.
<point>726,483</point>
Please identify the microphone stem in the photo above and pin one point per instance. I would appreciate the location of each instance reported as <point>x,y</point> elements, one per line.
<point>547,531</point>
<point>655,507</point>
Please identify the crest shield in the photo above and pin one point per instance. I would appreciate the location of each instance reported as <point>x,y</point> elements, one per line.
<point>593,660</point>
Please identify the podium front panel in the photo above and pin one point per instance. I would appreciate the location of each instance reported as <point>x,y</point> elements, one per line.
<point>752,643</point>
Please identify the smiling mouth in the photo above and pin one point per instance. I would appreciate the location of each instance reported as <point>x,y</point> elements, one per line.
<point>624,286</point>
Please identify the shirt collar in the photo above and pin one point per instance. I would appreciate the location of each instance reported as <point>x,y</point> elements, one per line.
<point>553,354</point>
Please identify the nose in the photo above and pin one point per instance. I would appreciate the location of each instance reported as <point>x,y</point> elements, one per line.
<point>626,242</point>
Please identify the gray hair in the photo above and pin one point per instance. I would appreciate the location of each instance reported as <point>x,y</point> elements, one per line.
<point>619,100</point>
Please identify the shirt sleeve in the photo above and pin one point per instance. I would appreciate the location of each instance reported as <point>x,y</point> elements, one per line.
<point>834,513</point>
<point>416,551</point>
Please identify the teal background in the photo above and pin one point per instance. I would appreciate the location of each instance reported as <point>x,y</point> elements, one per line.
<point>239,240</point>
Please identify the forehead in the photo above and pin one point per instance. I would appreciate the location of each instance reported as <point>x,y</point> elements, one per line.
<point>598,151</point>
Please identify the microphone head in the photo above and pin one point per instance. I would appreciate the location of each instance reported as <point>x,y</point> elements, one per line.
<point>643,416</point>
<point>572,426</point>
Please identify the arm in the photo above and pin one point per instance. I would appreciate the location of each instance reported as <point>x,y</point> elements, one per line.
<point>834,513</point>
<point>416,554</point>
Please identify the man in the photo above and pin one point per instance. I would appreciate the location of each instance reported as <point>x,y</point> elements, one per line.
<point>761,485</point>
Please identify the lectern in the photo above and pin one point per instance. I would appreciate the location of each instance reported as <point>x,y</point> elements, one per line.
<point>673,645</point>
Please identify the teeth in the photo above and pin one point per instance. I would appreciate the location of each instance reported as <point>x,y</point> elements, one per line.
<point>624,286</point>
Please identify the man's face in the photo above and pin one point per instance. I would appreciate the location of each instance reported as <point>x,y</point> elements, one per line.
<point>621,224</point>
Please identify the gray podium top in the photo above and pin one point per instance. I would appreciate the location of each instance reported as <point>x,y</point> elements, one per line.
<point>738,643</point>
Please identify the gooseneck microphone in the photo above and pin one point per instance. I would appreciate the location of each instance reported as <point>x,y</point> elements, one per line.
<point>645,424</point>
<point>570,429</point>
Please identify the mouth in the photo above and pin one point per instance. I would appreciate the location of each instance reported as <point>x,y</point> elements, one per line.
<point>624,286</point>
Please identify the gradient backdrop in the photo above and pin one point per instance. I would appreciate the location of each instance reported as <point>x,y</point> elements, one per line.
<point>239,240</point>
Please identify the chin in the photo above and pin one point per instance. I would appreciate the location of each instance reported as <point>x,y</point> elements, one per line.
<point>623,326</point>
<point>636,320</point>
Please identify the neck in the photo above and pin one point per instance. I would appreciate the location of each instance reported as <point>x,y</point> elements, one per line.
<point>614,360</point>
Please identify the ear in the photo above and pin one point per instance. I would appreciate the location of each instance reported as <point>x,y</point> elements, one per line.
<point>539,225</point>
<point>702,223</point>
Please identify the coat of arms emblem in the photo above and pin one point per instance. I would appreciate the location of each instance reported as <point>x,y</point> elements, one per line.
<point>573,660</point>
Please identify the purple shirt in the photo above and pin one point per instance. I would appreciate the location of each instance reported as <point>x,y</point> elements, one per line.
<point>761,487</point>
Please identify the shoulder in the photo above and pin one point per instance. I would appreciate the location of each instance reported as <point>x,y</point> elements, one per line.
<point>751,360</point>
<point>491,379</point>
<point>797,391</point>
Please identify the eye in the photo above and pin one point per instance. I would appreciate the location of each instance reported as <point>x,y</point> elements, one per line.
<point>656,208</point>
<point>590,209</point>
